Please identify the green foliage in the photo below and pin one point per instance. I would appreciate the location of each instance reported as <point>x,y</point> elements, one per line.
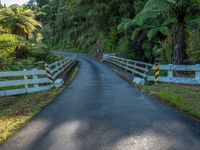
<point>193,49</point>
<point>19,20</point>
<point>124,47</point>
<point>35,55</point>
<point>111,41</point>
<point>20,46</point>
<point>8,44</point>
<point>39,51</point>
<point>178,9</point>
<point>137,29</point>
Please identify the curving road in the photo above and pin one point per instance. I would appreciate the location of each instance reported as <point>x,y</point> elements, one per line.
<point>100,111</point>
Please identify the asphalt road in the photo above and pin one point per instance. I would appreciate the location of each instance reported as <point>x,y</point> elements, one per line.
<point>100,111</point>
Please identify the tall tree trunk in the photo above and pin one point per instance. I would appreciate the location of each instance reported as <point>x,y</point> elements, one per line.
<point>179,53</point>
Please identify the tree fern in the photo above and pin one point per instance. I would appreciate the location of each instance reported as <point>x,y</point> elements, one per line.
<point>153,9</point>
<point>19,20</point>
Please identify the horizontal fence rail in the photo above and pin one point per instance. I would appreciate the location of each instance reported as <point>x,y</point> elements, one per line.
<point>180,74</point>
<point>30,81</point>
<point>136,67</point>
<point>172,70</point>
<point>57,68</point>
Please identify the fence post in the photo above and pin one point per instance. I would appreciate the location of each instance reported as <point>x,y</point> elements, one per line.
<point>104,57</point>
<point>169,72</point>
<point>63,64</point>
<point>197,72</point>
<point>157,74</point>
<point>25,78</point>
<point>75,57</point>
<point>48,71</point>
<point>57,65</point>
<point>145,73</point>
<point>127,63</point>
<point>35,77</point>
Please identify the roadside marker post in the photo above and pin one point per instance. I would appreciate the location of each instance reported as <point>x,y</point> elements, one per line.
<point>157,74</point>
<point>48,71</point>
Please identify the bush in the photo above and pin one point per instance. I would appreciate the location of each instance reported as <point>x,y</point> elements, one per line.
<point>18,54</point>
<point>124,48</point>
<point>39,51</point>
<point>41,54</point>
<point>8,44</point>
<point>5,60</point>
<point>193,49</point>
<point>110,41</point>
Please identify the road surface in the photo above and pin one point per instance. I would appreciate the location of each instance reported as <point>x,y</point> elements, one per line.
<point>100,111</point>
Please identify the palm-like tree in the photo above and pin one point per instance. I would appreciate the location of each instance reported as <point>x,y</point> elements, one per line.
<point>19,21</point>
<point>173,8</point>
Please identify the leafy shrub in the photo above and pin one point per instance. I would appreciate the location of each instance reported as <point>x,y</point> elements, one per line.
<point>193,49</point>
<point>39,51</point>
<point>5,60</point>
<point>20,64</point>
<point>110,41</point>
<point>124,48</point>
<point>8,44</point>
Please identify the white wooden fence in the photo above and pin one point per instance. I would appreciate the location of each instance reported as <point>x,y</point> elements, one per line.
<point>136,67</point>
<point>54,70</point>
<point>141,69</point>
<point>30,81</point>
<point>172,69</point>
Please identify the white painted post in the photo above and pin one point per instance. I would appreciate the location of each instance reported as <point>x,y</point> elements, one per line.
<point>74,57</point>
<point>25,78</point>
<point>35,77</point>
<point>63,64</point>
<point>135,64</point>
<point>127,63</point>
<point>145,73</point>
<point>57,64</point>
<point>169,72</point>
<point>197,72</point>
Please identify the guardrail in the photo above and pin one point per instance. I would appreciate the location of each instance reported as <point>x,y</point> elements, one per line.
<point>136,67</point>
<point>54,70</point>
<point>30,81</point>
<point>171,69</point>
<point>141,69</point>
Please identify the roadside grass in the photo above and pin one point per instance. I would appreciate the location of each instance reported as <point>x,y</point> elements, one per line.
<point>16,111</point>
<point>185,98</point>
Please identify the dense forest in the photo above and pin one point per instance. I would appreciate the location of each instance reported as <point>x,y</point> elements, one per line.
<point>165,31</point>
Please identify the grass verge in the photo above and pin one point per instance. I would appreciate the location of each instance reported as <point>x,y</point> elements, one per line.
<point>16,111</point>
<point>185,98</point>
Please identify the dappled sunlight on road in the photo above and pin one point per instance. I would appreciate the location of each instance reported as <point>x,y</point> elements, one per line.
<point>146,140</point>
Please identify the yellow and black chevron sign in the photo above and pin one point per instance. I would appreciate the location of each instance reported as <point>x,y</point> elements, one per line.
<point>157,73</point>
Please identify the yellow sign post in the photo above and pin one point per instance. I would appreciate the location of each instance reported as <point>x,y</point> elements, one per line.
<point>157,74</point>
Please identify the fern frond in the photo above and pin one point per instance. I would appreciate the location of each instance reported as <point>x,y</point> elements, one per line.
<point>153,9</point>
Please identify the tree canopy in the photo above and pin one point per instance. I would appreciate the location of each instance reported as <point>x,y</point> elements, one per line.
<point>19,20</point>
<point>145,30</point>
<point>148,30</point>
